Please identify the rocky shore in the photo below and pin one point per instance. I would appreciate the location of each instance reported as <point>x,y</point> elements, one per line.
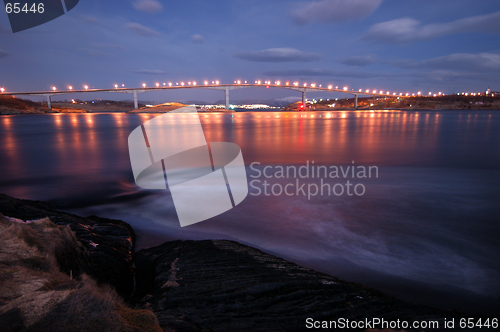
<point>62,272</point>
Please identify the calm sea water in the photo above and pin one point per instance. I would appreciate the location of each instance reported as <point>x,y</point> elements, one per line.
<point>425,230</point>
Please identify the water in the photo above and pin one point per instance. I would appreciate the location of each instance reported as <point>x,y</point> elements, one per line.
<point>426,229</point>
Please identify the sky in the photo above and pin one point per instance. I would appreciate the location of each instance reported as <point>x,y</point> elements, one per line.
<point>391,45</point>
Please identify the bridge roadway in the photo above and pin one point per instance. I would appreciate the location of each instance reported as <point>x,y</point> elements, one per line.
<point>224,87</point>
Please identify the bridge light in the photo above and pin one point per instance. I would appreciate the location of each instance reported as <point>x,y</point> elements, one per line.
<point>381,92</point>
<point>287,83</point>
<point>70,87</point>
<point>245,82</point>
<point>400,93</point>
<point>439,93</point>
<point>86,87</point>
<point>419,93</point>
<point>169,83</point>
<point>413,95</point>
<point>430,93</point>
<point>359,90</point>
<point>258,82</point>
<point>182,83</point>
<point>116,86</point>
<point>206,82</point>
<point>374,91</point>
<point>54,88</point>
<point>367,90</point>
<point>189,83</point>
<point>387,93</point>
<point>305,84</point>
<point>164,84</point>
<point>239,82</point>
<point>194,83</point>
<point>394,93</point>
<point>407,94</point>
<point>123,85</point>
<point>330,87</point>
<point>2,89</point>
<point>217,82</point>
<point>313,85</point>
<point>278,83</point>
<point>157,85</point>
<point>143,85</point>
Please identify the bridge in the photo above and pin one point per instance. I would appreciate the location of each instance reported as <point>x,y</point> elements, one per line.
<point>216,86</point>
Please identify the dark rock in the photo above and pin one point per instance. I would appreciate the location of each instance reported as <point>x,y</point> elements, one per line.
<point>227,286</point>
<point>108,244</point>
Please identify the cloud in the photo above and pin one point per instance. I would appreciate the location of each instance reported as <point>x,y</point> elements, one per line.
<point>482,62</point>
<point>278,55</point>
<point>197,39</point>
<point>92,52</point>
<point>141,30</point>
<point>408,30</point>
<point>150,72</point>
<point>89,19</point>
<point>109,45</point>
<point>148,6</point>
<point>360,60</point>
<point>3,54</point>
<point>322,72</point>
<point>333,11</point>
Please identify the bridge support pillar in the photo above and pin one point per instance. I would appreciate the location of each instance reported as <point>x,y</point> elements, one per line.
<point>226,97</point>
<point>304,98</point>
<point>356,101</point>
<point>136,103</point>
<point>49,105</point>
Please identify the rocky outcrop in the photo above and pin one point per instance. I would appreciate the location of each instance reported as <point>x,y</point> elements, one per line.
<point>227,286</point>
<point>211,285</point>
<point>108,245</point>
<point>36,294</point>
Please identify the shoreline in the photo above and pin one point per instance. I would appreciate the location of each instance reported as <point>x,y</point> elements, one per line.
<point>203,285</point>
<point>78,111</point>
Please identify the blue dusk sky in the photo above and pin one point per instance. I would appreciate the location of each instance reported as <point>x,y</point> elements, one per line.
<point>393,45</point>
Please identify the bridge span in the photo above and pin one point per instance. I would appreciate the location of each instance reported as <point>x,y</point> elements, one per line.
<point>223,87</point>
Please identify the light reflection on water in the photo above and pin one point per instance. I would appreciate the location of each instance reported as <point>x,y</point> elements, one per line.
<point>427,228</point>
